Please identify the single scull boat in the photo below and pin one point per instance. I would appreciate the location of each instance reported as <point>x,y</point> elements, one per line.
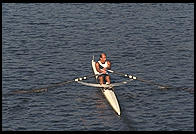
<point>108,92</point>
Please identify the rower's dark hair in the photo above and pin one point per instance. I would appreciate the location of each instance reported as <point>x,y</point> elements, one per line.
<point>101,55</point>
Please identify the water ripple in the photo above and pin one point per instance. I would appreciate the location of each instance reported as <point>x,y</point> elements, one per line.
<point>47,43</point>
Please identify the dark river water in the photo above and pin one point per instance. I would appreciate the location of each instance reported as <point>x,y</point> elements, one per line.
<point>43,44</point>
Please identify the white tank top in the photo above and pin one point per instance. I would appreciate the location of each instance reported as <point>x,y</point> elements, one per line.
<point>103,65</point>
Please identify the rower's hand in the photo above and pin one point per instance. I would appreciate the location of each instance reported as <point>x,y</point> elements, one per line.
<point>104,71</point>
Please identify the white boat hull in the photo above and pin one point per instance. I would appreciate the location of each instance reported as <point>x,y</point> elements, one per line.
<point>108,93</point>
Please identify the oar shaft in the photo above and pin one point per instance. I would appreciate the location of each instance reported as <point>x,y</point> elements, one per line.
<point>122,74</point>
<point>54,85</point>
<point>150,82</point>
<point>135,78</point>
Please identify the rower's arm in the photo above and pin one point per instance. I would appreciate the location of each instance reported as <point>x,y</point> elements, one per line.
<point>109,65</point>
<point>97,67</point>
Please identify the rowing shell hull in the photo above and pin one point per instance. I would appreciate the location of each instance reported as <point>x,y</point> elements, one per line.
<point>108,93</point>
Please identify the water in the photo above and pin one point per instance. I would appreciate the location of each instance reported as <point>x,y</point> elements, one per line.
<point>50,43</point>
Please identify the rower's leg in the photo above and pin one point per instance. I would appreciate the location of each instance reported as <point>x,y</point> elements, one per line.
<point>107,78</point>
<point>101,79</point>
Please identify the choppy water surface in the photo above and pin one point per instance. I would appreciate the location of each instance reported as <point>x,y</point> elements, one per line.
<point>50,43</point>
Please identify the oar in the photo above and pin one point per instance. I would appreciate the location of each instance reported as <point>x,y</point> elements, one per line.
<point>43,89</point>
<point>149,82</point>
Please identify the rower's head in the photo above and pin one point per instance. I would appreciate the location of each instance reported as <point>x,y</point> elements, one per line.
<point>103,57</point>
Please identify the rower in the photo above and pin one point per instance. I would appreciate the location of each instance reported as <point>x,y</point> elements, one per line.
<point>102,66</point>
